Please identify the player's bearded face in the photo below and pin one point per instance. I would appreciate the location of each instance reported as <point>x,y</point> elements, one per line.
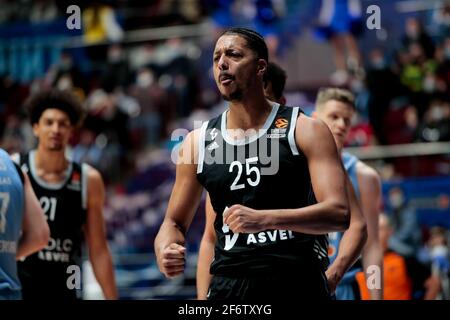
<point>53,130</point>
<point>234,67</point>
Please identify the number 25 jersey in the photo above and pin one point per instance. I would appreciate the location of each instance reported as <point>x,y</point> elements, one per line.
<point>263,171</point>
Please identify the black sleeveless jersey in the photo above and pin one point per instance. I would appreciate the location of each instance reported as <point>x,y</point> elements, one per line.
<point>265,170</point>
<point>47,273</point>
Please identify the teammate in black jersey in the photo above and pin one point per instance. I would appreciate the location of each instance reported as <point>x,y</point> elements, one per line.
<point>277,191</point>
<point>351,244</point>
<point>72,197</point>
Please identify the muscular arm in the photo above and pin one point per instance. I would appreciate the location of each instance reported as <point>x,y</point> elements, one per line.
<point>182,206</point>
<point>35,230</point>
<point>370,196</point>
<point>331,213</point>
<point>99,254</point>
<point>352,242</point>
<point>206,252</point>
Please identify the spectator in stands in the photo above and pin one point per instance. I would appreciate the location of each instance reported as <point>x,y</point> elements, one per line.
<point>383,85</point>
<point>436,253</point>
<point>116,71</point>
<point>435,126</point>
<point>443,58</point>
<point>43,11</point>
<point>340,21</point>
<point>100,24</point>
<point>66,75</point>
<point>415,34</point>
<point>153,100</point>
<point>406,237</point>
<point>404,278</point>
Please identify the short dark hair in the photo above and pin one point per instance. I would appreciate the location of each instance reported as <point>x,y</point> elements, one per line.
<point>255,41</point>
<point>277,77</point>
<point>65,101</point>
<point>342,95</point>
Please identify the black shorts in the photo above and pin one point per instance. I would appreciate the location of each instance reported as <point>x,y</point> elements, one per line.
<point>310,285</point>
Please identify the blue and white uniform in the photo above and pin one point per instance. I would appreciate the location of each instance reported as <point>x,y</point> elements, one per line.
<point>11,216</point>
<point>347,288</point>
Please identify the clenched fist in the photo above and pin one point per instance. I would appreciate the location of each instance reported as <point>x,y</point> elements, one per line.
<point>241,219</point>
<point>171,260</point>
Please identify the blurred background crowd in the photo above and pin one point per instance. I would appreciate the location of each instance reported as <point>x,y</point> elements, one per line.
<point>143,69</point>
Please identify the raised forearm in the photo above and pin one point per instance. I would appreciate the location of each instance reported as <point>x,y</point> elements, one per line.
<point>319,218</point>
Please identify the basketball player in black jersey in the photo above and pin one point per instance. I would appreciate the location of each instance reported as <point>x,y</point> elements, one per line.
<point>71,196</point>
<point>351,244</point>
<point>272,213</point>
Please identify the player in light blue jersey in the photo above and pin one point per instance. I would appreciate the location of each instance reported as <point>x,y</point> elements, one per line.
<point>23,228</point>
<point>336,108</point>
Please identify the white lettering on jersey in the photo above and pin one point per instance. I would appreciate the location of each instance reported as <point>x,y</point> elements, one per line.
<point>230,240</point>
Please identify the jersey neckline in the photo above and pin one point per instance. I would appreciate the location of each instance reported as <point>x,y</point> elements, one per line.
<point>252,138</point>
<point>44,184</point>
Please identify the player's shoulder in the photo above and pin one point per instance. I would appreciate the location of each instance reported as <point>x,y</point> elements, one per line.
<point>310,130</point>
<point>366,173</point>
<point>187,151</point>
<point>92,174</point>
<point>310,124</point>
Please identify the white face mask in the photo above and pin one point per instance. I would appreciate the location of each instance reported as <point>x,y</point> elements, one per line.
<point>396,200</point>
<point>429,84</point>
<point>378,63</point>
<point>145,79</point>
<point>64,83</point>
<point>437,113</point>
<point>447,52</point>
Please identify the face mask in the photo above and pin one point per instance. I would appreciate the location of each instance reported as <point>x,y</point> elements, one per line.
<point>447,52</point>
<point>357,86</point>
<point>429,84</point>
<point>396,200</point>
<point>64,83</point>
<point>437,114</point>
<point>378,64</point>
<point>144,79</point>
<point>114,56</point>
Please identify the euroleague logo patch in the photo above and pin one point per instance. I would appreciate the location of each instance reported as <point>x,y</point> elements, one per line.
<point>281,123</point>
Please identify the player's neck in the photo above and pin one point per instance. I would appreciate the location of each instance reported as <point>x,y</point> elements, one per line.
<point>248,113</point>
<point>50,161</point>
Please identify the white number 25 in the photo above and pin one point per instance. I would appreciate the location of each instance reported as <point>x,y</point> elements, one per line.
<point>248,170</point>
